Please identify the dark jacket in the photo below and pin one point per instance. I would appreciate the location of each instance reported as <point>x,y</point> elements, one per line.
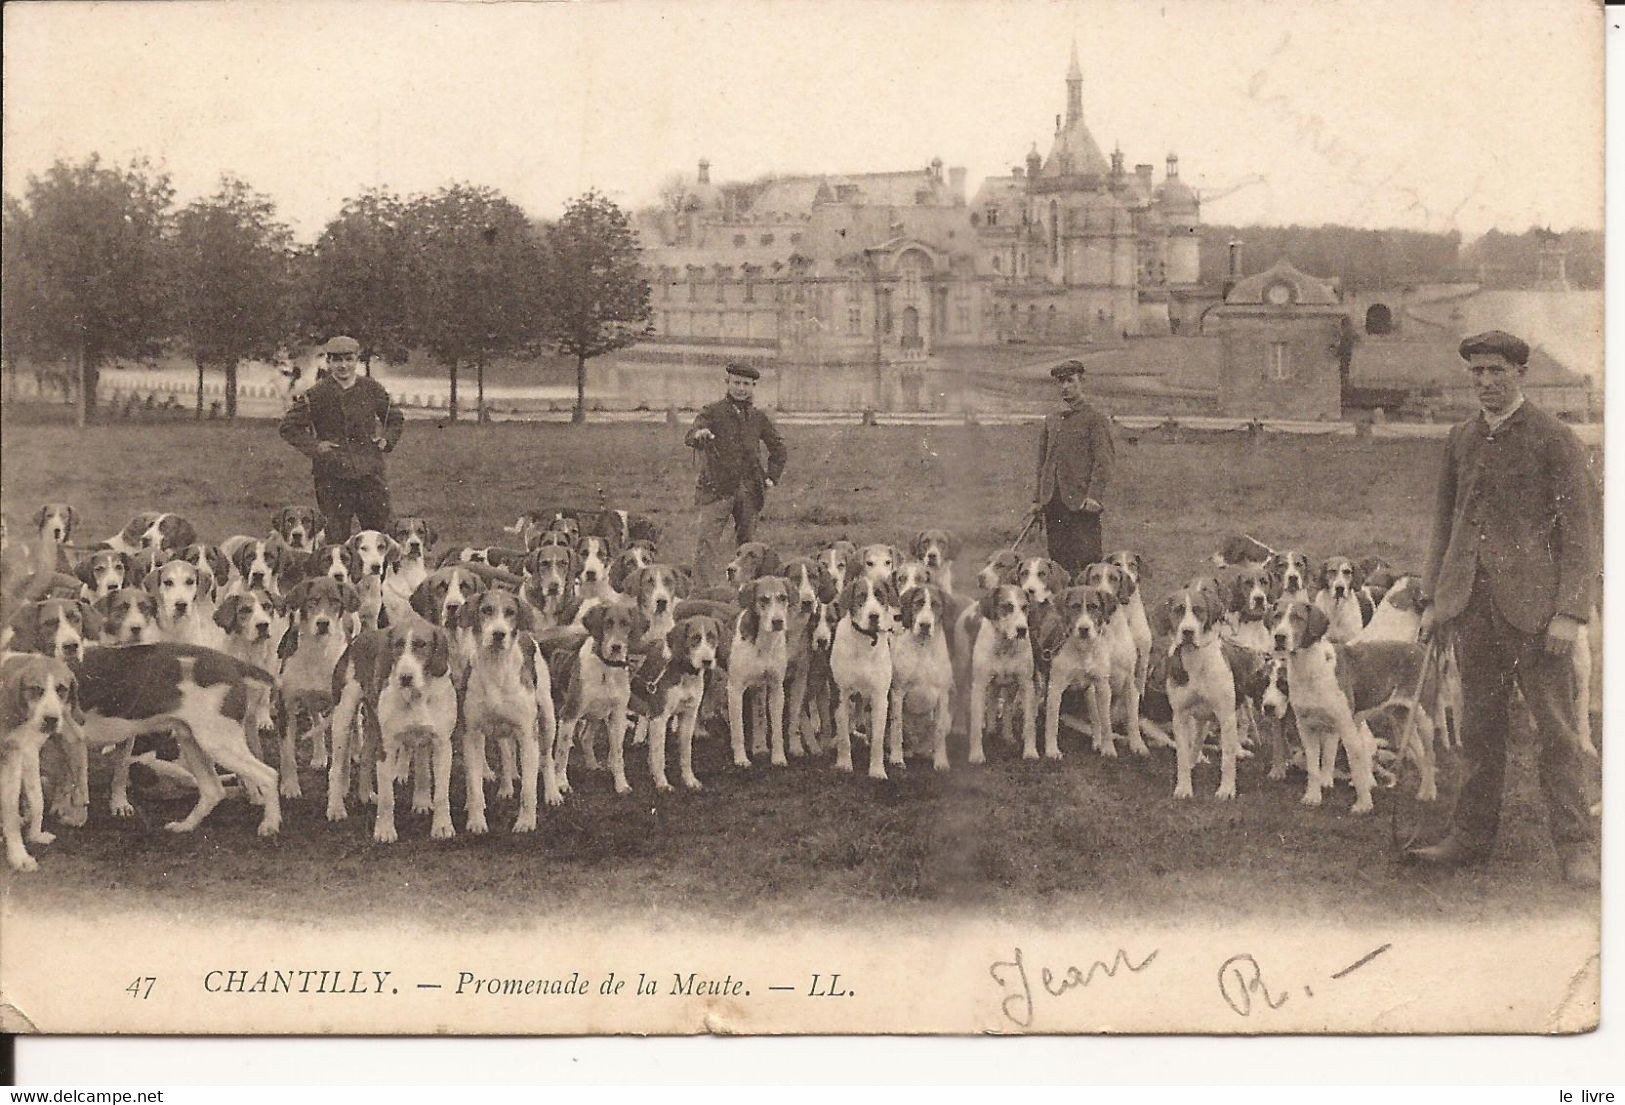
<point>733,458</point>
<point>327,412</point>
<point>1520,501</point>
<point>1076,456</point>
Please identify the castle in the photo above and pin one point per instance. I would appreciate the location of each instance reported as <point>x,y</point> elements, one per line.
<point>898,267</point>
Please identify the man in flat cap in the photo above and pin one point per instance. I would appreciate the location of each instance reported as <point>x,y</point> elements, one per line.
<point>345,424</point>
<point>1511,576</point>
<point>1076,455</point>
<point>730,435</point>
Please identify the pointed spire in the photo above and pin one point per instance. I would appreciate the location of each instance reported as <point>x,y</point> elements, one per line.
<point>1074,87</point>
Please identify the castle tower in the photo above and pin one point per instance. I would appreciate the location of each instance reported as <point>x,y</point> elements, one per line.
<point>1074,87</point>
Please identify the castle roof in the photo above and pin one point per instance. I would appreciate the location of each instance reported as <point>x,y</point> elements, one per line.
<point>1075,152</point>
<point>1307,290</point>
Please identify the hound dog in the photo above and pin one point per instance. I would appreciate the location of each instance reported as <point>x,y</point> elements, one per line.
<point>752,560</point>
<point>402,674</point>
<point>1138,569</point>
<point>38,700</point>
<point>416,539</point>
<point>440,599</point>
<point>592,683</point>
<point>203,698</point>
<point>1121,686</point>
<point>59,628</point>
<point>494,556</point>
<point>54,522</point>
<point>621,527</point>
<point>910,574</point>
<point>254,624</point>
<point>655,591</point>
<point>209,561</point>
<point>836,558</point>
<point>262,565</point>
<point>153,529</point>
<point>550,585</point>
<point>102,573</point>
<point>1324,699</point>
<point>509,697</point>
<point>1292,569</point>
<point>559,531</point>
<point>302,528</point>
<point>670,683</point>
<point>1398,617</point>
<point>860,661</point>
<point>1340,598</point>
<point>1042,579</point>
<point>816,725</point>
<point>595,554</point>
<point>542,520</point>
<point>185,604</point>
<point>1240,549</point>
<point>757,660</point>
<point>1252,597</point>
<point>1000,568</point>
<point>1379,578</point>
<point>1201,685</point>
<point>877,562</point>
<point>922,669</point>
<point>1070,637</point>
<point>1001,665</point>
<point>319,612</point>
<point>811,588</point>
<point>938,548</point>
<point>129,616</point>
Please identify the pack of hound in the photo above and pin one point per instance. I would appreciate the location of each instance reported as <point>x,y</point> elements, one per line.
<point>386,658</point>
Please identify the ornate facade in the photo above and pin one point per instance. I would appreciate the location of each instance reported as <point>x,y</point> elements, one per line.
<point>892,267</point>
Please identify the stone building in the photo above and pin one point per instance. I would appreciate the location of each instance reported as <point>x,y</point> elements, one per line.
<point>890,268</point>
<point>1279,334</point>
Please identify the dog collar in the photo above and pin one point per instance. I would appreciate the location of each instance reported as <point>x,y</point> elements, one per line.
<point>872,634</point>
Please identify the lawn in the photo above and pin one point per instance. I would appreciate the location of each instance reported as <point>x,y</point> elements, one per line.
<point>789,842</point>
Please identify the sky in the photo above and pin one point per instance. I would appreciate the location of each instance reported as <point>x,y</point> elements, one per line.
<point>1423,114</point>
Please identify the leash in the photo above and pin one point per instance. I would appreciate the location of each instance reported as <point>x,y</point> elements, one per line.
<point>1431,659</point>
<point>1031,520</point>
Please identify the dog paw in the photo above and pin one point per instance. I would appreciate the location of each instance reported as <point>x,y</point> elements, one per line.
<point>525,823</point>
<point>423,805</point>
<point>505,790</point>
<point>940,764</point>
<point>442,830</point>
<point>553,798</point>
<point>42,837</point>
<point>337,812</point>
<point>693,784</point>
<point>269,828</point>
<point>122,809</point>
<point>1311,798</point>
<point>623,788</point>
<point>179,827</point>
<point>1428,794</point>
<point>1363,805</point>
<point>780,761</point>
<point>878,774</point>
<point>1224,793</point>
<point>23,862</point>
<point>978,757</point>
<point>290,789</point>
<point>1052,754</point>
<point>1183,790</point>
<point>75,817</point>
<point>662,786</point>
<point>477,825</point>
<point>385,834</point>
<point>318,763</point>
<point>844,765</point>
<point>1278,772</point>
<point>1139,749</point>
<point>741,761</point>
<point>1109,751</point>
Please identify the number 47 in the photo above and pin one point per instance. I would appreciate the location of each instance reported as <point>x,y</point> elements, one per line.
<point>141,987</point>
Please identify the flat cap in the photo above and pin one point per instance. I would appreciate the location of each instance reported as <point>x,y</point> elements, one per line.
<point>342,344</point>
<point>1067,368</point>
<point>749,372</point>
<point>1496,343</point>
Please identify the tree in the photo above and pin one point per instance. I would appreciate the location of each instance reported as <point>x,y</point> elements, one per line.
<point>474,291</point>
<point>358,278</point>
<point>83,277</point>
<point>231,282</point>
<point>595,297</point>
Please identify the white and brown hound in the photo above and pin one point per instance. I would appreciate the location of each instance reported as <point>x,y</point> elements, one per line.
<point>758,659</point>
<point>1201,685</point>
<point>592,683</point>
<point>670,683</point>
<point>302,528</point>
<point>185,604</point>
<point>860,661</point>
<point>37,702</point>
<point>922,669</point>
<point>1120,690</point>
<point>509,698</point>
<point>938,548</point>
<point>153,529</point>
<point>102,572</point>
<point>319,612</point>
<point>1001,667</point>
<point>1342,600</point>
<point>1324,701</point>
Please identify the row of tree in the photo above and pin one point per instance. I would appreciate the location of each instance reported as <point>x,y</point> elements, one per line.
<point>1381,258</point>
<point>99,264</point>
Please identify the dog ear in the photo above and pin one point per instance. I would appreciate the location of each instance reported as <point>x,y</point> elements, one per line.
<point>424,598</point>
<point>25,628</point>
<point>289,643</point>
<point>218,564</point>
<point>1108,602</point>
<point>186,533</point>
<point>593,620</point>
<point>392,557</point>
<point>439,654</point>
<point>469,615</point>
<point>987,604</point>
<point>916,547</point>
<point>152,581</point>
<point>911,607</point>
<point>39,515</point>
<point>1360,576</point>
<point>350,596</point>
<point>205,585</point>
<point>85,570</point>
<point>682,581</point>
<point>1315,626</point>
<point>825,587</point>
<point>226,614</point>
<point>619,568</point>
<point>295,598</point>
<point>1060,578</point>
<point>75,710</point>
<point>770,561</point>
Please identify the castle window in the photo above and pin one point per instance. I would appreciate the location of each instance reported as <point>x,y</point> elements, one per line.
<point>998,263</point>
<point>992,216</point>
<point>767,239</point>
<point>854,319</point>
<point>962,317</point>
<point>1277,361</point>
<point>795,239</point>
<point>739,239</point>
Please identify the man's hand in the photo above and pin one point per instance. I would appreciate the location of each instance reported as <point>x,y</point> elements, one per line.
<point>1425,627</point>
<point>326,446</point>
<point>703,435</point>
<point>1092,506</point>
<point>1561,633</point>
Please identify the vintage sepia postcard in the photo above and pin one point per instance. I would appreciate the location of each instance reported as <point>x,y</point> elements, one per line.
<point>989,517</point>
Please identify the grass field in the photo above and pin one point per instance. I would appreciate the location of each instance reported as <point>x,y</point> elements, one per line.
<point>1013,836</point>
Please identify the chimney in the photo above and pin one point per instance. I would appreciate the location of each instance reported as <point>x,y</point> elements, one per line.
<point>956,182</point>
<point>705,171</point>
<point>1233,274</point>
<point>1143,171</point>
<point>1016,171</point>
<point>1173,166</point>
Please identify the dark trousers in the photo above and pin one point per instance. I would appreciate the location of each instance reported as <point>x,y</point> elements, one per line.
<point>1492,656</point>
<point>366,500</point>
<point>1073,536</point>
